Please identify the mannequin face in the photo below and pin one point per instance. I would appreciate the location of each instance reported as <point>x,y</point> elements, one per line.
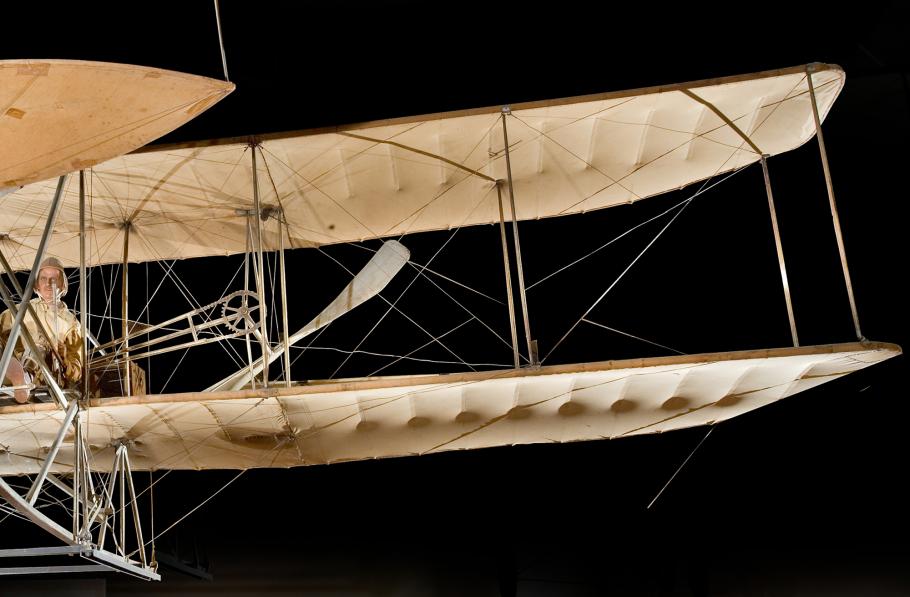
<point>48,284</point>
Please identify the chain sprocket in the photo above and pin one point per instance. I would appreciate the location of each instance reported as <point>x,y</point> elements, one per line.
<point>237,311</point>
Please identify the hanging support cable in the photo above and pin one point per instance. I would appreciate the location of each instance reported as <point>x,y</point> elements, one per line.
<point>221,41</point>
<point>670,480</point>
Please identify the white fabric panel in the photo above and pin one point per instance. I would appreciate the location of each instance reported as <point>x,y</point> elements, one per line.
<point>426,173</point>
<point>324,422</point>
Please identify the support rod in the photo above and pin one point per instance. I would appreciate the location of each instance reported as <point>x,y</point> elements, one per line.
<point>83,288</point>
<point>780,250</point>
<point>837,231</point>
<point>135,507</point>
<point>33,276</point>
<point>125,350</point>
<point>282,227</point>
<point>532,352</point>
<point>121,516</point>
<point>508,270</point>
<point>77,471</point>
<point>260,274</point>
<point>246,286</point>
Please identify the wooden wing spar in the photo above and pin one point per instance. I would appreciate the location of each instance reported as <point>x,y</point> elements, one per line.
<point>388,178</point>
<point>341,420</point>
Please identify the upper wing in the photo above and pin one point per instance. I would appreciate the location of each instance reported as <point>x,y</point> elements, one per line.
<point>428,173</point>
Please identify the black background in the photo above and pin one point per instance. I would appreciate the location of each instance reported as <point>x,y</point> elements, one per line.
<point>809,488</point>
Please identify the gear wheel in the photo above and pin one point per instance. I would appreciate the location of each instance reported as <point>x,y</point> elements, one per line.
<point>237,309</point>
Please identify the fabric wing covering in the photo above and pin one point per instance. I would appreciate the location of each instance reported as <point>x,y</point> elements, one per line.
<point>60,116</point>
<point>433,172</point>
<point>333,421</point>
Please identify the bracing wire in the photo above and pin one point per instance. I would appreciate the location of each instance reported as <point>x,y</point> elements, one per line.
<point>182,518</point>
<point>670,480</point>
<point>392,306</point>
<point>632,229</point>
<point>606,327</point>
<point>681,208</point>
<point>618,278</point>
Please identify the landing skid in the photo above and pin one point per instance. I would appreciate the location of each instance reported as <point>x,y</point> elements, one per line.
<point>101,509</point>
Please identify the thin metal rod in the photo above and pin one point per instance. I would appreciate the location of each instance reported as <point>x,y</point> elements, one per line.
<point>284,302</point>
<point>83,290</point>
<point>260,272</point>
<point>837,231</point>
<point>32,495</point>
<point>102,507</point>
<point>32,277</point>
<point>780,250</point>
<point>221,41</point>
<point>532,353</point>
<point>246,286</point>
<point>135,506</point>
<point>125,351</point>
<point>670,480</point>
<point>121,515</point>
<point>508,270</point>
<point>77,470</point>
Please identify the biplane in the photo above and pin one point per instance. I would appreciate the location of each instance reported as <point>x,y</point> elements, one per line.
<point>66,463</point>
